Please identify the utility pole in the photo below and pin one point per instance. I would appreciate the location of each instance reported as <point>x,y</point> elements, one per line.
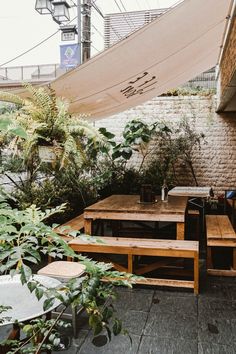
<point>86,33</point>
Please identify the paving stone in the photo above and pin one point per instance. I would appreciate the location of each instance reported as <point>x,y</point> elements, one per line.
<point>167,321</point>
<point>137,299</point>
<point>216,308</point>
<point>133,321</point>
<point>213,348</point>
<point>215,290</point>
<point>232,291</point>
<point>156,345</point>
<point>174,304</point>
<point>171,325</point>
<point>120,344</point>
<point>216,330</point>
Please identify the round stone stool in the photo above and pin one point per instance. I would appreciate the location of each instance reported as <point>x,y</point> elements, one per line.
<point>64,271</point>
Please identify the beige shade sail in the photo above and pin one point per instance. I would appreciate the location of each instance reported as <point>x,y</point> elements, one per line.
<point>166,53</point>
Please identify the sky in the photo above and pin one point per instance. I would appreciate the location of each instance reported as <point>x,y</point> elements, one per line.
<point>22,27</point>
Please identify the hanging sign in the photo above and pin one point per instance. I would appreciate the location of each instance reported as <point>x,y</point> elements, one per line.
<point>70,55</point>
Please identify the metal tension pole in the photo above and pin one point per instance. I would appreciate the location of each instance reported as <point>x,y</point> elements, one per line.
<point>79,29</point>
<point>86,38</point>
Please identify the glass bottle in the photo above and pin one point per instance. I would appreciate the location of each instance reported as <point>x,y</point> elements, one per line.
<point>164,192</point>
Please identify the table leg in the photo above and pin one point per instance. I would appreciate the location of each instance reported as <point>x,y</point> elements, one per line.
<point>234,258</point>
<point>196,274</point>
<point>180,231</point>
<point>88,226</point>
<point>130,263</point>
<point>209,258</point>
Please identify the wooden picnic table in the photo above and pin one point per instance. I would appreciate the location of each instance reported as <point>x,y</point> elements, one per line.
<point>128,207</point>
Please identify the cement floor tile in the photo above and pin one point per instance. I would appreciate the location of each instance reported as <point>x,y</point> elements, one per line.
<point>170,325</point>
<point>118,345</point>
<point>232,291</point>
<point>215,289</point>
<point>133,321</point>
<point>216,308</point>
<point>216,330</point>
<point>213,348</point>
<point>157,345</point>
<point>137,300</point>
<point>175,292</point>
<point>176,304</point>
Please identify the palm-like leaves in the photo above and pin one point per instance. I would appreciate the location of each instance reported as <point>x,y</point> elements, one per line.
<point>48,121</point>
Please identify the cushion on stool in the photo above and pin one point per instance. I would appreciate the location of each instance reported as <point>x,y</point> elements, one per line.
<point>63,269</point>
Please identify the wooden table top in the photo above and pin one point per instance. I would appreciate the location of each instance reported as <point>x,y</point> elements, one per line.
<point>129,208</point>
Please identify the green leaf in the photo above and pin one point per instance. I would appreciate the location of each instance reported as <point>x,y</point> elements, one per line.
<point>107,313</point>
<point>27,328</point>
<point>117,327</point>
<point>48,303</point>
<point>56,342</point>
<point>106,133</point>
<point>19,132</point>
<point>25,272</point>
<point>97,328</point>
<point>32,285</point>
<point>39,293</point>
<point>31,259</point>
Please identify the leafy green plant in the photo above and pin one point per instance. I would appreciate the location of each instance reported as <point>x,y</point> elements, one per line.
<point>48,122</point>
<point>24,238</point>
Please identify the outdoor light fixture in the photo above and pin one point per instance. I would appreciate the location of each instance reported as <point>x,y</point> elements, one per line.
<point>61,11</point>
<point>68,32</point>
<point>44,7</point>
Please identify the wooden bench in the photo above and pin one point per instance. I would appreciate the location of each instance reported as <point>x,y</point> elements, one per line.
<point>220,233</point>
<point>76,224</point>
<point>145,247</point>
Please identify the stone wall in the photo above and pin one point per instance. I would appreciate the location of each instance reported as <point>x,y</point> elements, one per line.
<point>228,63</point>
<point>215,163</point>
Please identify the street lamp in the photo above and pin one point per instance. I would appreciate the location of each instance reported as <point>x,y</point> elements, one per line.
<point>61,11</point>
<point>44,7</point>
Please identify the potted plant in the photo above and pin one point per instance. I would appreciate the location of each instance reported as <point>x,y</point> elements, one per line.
<point>53,133</point>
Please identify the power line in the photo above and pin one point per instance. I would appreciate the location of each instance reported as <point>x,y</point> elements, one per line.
<point>97,9</point>
<point>123,5</point>
<point>95,48</point>
<point>30,49</point>
<point>98,31</point>
<point>148,5</point>
<point>137,2</point>
<point>123,15</point>
<point>35,46</point>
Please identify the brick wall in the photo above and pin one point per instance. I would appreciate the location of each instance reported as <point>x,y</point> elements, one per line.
<point>228,64</point>
<point>215,163</point>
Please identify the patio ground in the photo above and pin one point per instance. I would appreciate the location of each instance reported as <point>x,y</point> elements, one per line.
<point>162,321</point>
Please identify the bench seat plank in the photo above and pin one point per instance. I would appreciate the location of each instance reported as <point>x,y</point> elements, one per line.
<point>75,224</point>
<point>220,233</point>
<point>219,227</point>
<point>144,247</point>
<point>137,246</point>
